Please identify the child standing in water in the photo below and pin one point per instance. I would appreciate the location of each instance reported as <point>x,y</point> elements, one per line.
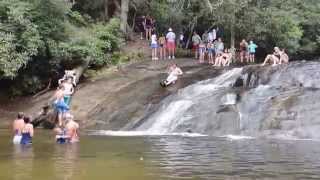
<point>154,46</point>
<point>202,50</point>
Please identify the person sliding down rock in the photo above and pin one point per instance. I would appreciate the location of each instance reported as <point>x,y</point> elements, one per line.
<point>174,73</point>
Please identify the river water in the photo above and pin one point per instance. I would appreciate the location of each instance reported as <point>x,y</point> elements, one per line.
<point>159,157</point>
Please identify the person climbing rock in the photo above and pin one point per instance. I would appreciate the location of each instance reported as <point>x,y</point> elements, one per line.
<point>60,106</point>
<point>18,125</point>
<point>68,91</point>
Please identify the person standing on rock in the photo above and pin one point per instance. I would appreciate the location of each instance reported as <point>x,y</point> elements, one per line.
<point>148,26</point>
<point>18,125</point>
<point>154,46</point>
<point>162,46</point>
<point>252,51</point>
<point>171,43</point>
<point>141,25</point>
<point>243,51</point>
<point>196,40</point>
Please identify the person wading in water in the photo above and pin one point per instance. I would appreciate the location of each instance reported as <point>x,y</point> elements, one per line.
<point>18,125</point>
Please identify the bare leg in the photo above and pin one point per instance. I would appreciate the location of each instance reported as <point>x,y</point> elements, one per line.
<point>267,59</point>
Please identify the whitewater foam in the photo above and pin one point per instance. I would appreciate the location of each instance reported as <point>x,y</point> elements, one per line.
<point>140,133</point>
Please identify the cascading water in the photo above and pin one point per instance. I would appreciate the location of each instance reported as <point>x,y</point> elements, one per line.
<point>182,111</point>
<point>277,102</point>
<point>193,110</point>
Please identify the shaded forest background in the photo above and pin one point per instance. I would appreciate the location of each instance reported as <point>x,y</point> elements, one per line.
<point>41,38</point>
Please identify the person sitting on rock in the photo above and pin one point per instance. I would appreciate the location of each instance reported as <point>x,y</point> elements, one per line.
<point>273,58</point>
<point>226,57</point>
<point>174,73</point>
<point>284,58</point>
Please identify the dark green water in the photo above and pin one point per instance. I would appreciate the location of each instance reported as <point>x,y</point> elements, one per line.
<point>139,158</point>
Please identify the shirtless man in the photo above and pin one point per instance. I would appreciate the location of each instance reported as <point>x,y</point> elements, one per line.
<point>273,58</point>
<point>243,51</point>
<point>174,72</point>
<point>18,125</point>
<point>72,129</point>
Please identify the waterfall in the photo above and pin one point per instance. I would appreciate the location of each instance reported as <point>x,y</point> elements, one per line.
<point>177,111</point>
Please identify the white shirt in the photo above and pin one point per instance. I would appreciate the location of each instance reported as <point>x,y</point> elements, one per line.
<point>67,89</point>
<point>181,37</point>
<point>154,39</point>
<point>171,37</point>
<point>214,34</point>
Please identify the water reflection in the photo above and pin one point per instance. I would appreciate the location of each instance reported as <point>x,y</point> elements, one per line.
<point>205,158</point>
<point>65,161</point>
<point>22,159</point>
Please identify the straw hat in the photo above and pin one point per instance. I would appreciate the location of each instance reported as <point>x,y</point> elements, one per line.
<point>170,30</point>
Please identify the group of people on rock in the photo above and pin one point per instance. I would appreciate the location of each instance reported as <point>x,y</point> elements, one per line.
<point>66,128</point>
<point>212,48</point>
<point>166,44</point>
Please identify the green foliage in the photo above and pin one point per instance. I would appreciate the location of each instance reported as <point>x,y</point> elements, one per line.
<point>94,44</point>
<point>293,25</point>
<point>38,37</point>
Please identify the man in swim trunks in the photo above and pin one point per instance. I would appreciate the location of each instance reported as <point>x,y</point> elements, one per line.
<point>18,125</point>
<point>196,40</point>
<point>171,43</point>
<point>243,51</point>
<point>174,73</point>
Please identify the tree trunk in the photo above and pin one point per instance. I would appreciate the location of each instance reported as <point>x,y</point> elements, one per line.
<point>106,10</point>
<point>124,16</point>
<point>191,32</point>
<point>232,37</point>
<point>48,116</point>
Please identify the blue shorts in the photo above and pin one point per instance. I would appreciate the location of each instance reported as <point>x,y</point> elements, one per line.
<point>153,46</point>
<point>210,50</point>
